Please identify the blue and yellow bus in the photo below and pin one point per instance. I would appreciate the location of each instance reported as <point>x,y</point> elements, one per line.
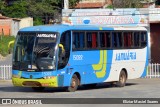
<point>74,55</point>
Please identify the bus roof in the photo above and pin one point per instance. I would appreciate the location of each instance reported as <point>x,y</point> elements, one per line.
<point>61,28</point>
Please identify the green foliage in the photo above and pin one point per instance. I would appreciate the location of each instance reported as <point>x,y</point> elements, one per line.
<point>2,5</point>
<point>37,21</point>
<point>110,7</point>
<point>17,10</point>
<point>34,8</point>
<point>157,2</point>
<point>4,50</point>
<point>40,8</point>
<point>72,3</point>
<point>127,3</point>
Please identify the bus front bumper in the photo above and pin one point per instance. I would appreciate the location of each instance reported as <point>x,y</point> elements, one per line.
<point>35,82</point>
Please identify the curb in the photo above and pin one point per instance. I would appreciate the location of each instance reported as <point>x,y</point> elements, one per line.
<point>5,81</point>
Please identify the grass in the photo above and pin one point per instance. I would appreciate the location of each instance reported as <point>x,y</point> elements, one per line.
<point>4,40</point>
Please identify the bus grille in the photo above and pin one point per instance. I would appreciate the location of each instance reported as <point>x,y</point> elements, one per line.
<point>31,84</point>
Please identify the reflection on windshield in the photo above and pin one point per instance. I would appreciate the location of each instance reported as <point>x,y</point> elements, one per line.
<point>34,52</point>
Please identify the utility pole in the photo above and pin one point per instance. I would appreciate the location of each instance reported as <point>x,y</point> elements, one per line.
<point>66,4</point>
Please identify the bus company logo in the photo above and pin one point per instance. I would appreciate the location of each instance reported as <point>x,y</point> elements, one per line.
<point>125,56</point>
<point>47,35</point>
<point>6,101</point>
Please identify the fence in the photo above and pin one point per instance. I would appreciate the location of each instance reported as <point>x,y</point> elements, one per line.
<point>5,72</point>
<point>153,71</point>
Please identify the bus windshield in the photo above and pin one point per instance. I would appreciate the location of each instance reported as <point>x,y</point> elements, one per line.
<point>35,51</point>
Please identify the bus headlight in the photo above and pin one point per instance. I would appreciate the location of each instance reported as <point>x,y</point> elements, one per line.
<point>16,76</point>
<point>49,77</point>
<point>50,67</point>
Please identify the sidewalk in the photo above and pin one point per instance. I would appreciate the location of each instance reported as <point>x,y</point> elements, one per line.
<point>1,81</point>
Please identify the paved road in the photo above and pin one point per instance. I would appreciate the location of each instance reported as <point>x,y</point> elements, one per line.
<point>138,88</point>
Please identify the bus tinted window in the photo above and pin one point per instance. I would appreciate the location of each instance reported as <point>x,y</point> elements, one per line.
<point>117,39</point>
<point>105,39</point>
<point>83,40</point>
<point>92,39</point>
<point>78,40</point>
<point>127,38</point>
<point>143,39</point>
<point>64,49</point>
<point>136,38</point>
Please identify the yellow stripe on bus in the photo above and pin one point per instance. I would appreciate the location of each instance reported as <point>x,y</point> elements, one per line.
<point>99,65</point>
<point>100,68</point>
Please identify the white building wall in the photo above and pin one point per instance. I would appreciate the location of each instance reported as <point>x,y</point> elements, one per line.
<point>26,22</point>
<point>14,27</point>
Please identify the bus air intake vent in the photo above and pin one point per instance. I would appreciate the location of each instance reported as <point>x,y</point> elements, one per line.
<point>31,84</point>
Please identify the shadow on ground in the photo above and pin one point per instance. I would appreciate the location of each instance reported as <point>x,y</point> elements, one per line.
<point>11,88</point>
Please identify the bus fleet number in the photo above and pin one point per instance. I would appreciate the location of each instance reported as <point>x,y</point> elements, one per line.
<point>77,57</point>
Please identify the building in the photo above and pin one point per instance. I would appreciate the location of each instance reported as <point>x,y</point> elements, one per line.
<point>155,34</point>
<point>86,4</point>
<point>148,3</point>
<point>26,22</point>
<point>10,26</point>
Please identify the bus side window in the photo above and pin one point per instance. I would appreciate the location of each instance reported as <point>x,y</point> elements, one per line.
<point>81,40</point>
<point>104,39</point>
<point>89,40</point>
<point>143,39</point>
<point>129,39</point>
<point>117,39</point>
<point>64,53</point>
<point>136,39</point>
<point>92,40</point>
<point>114,41</point>
<point>75,40</point>
<point>78,40</point>
<point>128,42</point>
<point>108,39</point>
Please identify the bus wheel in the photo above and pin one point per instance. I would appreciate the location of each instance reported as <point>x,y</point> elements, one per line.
<point>38,89</point>
<point>74,84</point>
<point>122,79</point>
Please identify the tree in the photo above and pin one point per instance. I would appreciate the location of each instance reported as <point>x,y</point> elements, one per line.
<point>127,4</point>
<point>72,3</point>
<point>43,10</point>
<point>158,2</point>
<point>48,9</point>
<point>2,6</point>
<point>40,10</point>
<point>17,10</point>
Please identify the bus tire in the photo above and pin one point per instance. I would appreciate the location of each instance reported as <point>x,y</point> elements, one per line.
<point>122,79</point>
<point>38,89</point>
<point>74,84</point>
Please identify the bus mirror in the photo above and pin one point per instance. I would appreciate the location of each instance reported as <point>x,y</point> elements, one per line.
<point>62,47</point>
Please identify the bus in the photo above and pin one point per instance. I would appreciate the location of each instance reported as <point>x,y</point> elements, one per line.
<point>73,55</point>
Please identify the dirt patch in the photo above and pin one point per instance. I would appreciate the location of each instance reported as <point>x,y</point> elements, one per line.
<point>1,57</point>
